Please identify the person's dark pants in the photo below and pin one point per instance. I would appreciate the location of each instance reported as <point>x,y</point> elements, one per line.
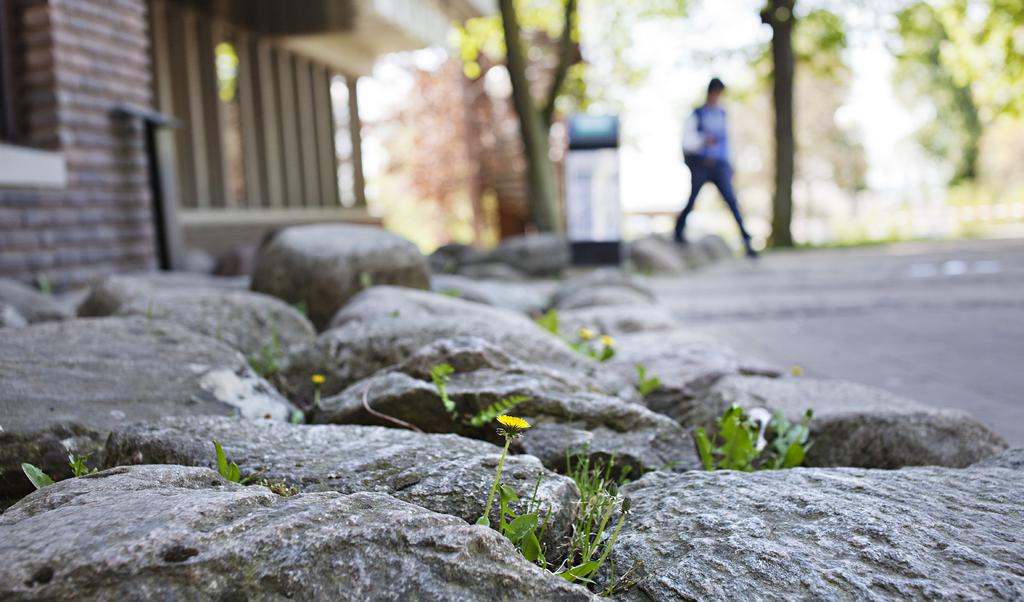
<point>718,173</point>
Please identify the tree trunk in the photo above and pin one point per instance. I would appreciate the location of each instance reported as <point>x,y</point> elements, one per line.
<point>779,14</point>
<point>542,187</point>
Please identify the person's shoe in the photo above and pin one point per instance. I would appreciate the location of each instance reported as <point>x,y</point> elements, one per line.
<point>751,253</point>
<point>680,239</point>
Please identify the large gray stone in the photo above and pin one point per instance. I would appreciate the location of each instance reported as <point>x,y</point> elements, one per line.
<point>383,326</point>
<point>325,265</point>
<point>616,320</point>
<point>605,286</point>
<point>565,412</point>
<point>443,473</point>
<point>857,425</point>
<point>523,297</point>
<point>825,534</point>
<point>1012,458</point>
<point>687,365</point>
<point>184,533</point>
<point>250,322</point>
<point>534,255</point>
<point>33,305</point>
<point>65,385</point>
<point>657,255</point>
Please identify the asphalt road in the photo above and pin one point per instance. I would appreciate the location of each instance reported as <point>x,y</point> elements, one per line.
<point>942,323</point>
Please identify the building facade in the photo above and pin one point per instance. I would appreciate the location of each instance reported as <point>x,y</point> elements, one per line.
<point>132,130</point>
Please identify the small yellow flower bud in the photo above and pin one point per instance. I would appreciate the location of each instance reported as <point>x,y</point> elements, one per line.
<point>318,379</point>
<point>607,341</point>
<point>796,371</point>
<point>586,334</point>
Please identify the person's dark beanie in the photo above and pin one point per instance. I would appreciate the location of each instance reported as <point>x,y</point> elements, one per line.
<point>716,85</point>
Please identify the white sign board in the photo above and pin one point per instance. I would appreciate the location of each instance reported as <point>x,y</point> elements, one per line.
<point>592,195</point>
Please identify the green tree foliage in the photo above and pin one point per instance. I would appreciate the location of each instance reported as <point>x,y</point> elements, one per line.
<point>965,58</point>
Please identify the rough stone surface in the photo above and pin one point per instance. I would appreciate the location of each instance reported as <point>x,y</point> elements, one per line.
<point>33,305</point>
<point>522,297</point>
<point>857,425</point>
<point>385,325</point>
<point>606,286</point>
<point>564,412</point>
<point>443,473</point>
<point>616,320</point>
<point>65,385</point>
<point>657,255</point>
<point>10,317</point>
<point>825,534</point>
<point>686,364</point>
<point>250,322</point>
<point>534,255</point>
<point>1012,458</point>
<point>184,533</point>
<point>447,258</point>
<point>325,265</point>
<point>492,270</point>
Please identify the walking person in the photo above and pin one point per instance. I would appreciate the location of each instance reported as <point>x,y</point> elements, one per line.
<point>706,152</point>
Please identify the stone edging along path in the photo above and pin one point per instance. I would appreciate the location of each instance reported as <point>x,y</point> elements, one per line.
<point>383,512</point>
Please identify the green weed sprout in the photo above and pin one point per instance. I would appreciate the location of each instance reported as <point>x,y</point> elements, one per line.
<point>549,321</point>
<point>646,385</point>
<point>599,501</point>
<point>37,477</point>
<point>740,443</point>
<point>230,471</point>
<point>78,464</point>
<point>441,375</point>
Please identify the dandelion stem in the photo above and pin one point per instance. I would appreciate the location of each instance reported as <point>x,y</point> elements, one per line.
<point>494,487</point>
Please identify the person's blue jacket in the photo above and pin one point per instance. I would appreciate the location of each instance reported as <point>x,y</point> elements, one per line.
<point>705,134</point>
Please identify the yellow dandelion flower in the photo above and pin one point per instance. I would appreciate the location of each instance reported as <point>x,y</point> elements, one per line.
<point>586,334</point>
<point>513,423</point>
<point>318,379</point>
<point>607,341</point>
<point>796,371</point>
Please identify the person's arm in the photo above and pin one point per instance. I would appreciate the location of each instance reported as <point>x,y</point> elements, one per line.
<point>693,142</point>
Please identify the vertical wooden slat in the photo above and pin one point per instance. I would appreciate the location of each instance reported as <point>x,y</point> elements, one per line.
<point>307,133</point>
<point>208,30</point>
<point>355,129</point>
<point>289,129</point>
<point>326,154</point>
<point>248,106</point>
<point>196,113</point>
<point>270,125</point>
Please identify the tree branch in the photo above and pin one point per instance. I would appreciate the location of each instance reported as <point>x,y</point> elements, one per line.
<point>565,60</point>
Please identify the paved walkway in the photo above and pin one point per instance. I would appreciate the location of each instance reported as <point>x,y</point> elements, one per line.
<point>942,323</point>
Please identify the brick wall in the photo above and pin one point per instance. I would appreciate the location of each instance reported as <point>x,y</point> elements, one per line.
<point>79,59</point>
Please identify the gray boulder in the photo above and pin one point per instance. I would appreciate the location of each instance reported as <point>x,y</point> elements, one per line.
<point>522,297</point>
<point>250,322</point>
<point>184,533</point>
<point>10,317</point>
<point>383,326</point>
<point>65,385</point>
<point>325,265</point>
<point>607,286</point>
<point>33,305</point>
<point>687,365</point>
<point>824,534</point>
<point>492,270</point>
<point>443,473</point>
<point>616,320</point>
<point>446,259</point>
<point>856,425</point>
<point>534,255</point>
<point>1012,458</point>
<point>565,412</point>
<point>657,255</point>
